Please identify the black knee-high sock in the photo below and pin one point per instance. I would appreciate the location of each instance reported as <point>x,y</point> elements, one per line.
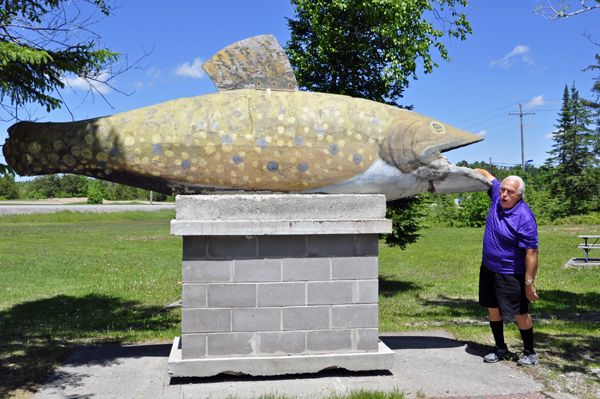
<point>527,336</point>
<point>498,331</point>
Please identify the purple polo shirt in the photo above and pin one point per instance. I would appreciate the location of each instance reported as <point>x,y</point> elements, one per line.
<point>508,232</point>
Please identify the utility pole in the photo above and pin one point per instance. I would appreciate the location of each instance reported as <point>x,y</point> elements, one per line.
<point>522,146</point>
<point>491,173</point>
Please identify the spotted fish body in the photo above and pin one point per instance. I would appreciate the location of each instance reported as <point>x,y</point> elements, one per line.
<point>252,140</point>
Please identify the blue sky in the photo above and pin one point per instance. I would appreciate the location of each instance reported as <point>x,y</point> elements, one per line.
<point>513,55</point>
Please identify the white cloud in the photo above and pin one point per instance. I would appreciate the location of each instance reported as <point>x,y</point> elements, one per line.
<point>154,73</point>
<point>509,59</point>
<point>75,82</point>
<point>535,102</point>
<point>193,71</point>
<point>482,133</point>
<point>137,84</point>
<point>548,136</point>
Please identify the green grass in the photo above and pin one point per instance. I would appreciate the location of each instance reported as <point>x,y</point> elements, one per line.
<point>433,284</point>
<point>69,278</point>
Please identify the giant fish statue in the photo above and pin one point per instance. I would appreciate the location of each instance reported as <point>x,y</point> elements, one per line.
<point>258,133</point>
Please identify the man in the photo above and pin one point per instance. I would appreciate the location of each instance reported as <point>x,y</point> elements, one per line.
<point>509,265</point>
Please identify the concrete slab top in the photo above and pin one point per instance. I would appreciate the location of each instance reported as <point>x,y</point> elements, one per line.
<point>263,207</point>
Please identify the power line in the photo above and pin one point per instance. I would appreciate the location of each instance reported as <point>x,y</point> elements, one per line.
<point>478,123</point>
<point>479,116</point>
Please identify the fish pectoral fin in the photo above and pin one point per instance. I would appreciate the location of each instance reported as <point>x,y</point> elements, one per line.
<point>258,62</point>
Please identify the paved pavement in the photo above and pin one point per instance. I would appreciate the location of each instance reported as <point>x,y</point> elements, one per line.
<point>427,363</point>
<point>29,209</point>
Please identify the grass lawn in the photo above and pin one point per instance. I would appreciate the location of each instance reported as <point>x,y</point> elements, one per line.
<point>71,278</point>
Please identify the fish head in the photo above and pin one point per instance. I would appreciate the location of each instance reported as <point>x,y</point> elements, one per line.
<point>418,140</point>
<point>414,145</point>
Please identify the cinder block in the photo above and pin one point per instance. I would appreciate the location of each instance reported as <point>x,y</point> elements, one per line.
<point>330,292</point>
<point>306,269</point>
<point>367,291</point>
<point>306,318</point>
<point>366,339</point>
<point>194,247</point>
<point>206,271</point>
<point>193,346</point>
<point>205,320</point>
<point>232,344</point>
<point>193,295</point>
<point>250,270</point>
<point>231,247</point>
<point>329,341</point>
<point>355,316</point>
<point>256,319</point>
<point>281,246</point>
<point>281,294</point>
<point>330,245</point>
<point>352,268</point>
<point>366,244</point>
<point>282,343</point>
<point>231,295</point>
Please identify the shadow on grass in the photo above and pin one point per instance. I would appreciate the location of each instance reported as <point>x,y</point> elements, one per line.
<point>389,287</point>
<point>561,302</point>
<point>37,336</point>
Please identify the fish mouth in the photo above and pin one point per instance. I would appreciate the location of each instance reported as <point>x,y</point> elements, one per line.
<point>418,141</point>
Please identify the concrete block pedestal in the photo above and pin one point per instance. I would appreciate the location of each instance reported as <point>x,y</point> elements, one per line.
<point>279,284</point>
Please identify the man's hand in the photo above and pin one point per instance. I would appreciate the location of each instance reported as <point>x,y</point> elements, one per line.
<point>530,292</point>
<point>485,174</point>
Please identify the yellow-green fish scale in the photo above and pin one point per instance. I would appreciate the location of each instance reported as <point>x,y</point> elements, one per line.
<point>248,139</point>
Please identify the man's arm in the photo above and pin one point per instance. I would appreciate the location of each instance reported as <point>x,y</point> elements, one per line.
<point>485,174</point>
<point>531,266</point>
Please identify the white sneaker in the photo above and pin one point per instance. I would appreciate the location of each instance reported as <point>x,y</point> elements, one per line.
<point>496,355</point>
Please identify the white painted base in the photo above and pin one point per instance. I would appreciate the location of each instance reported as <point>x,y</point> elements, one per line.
<point>383,359</point>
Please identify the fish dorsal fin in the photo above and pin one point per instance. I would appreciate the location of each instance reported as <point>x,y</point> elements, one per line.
<point>258,62</point>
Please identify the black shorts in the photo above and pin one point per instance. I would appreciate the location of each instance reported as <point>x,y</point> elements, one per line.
<point>503,291</point>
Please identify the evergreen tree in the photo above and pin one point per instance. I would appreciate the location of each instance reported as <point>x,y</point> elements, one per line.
<point>595,104</point>
<point>573,178</point>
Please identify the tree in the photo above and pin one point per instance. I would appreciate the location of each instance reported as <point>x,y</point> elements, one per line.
<point>573,178</point>
<point>74,186</point>
<point>44,43</point>
<point>95,191</point>
<point>8,187</point>
<point>368,49</point>
<point>595,104</point>
<point>404,214</point>
<point>48,186</point>
<point>559,10</point>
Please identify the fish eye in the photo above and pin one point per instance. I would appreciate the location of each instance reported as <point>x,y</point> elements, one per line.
<point>437,128</point>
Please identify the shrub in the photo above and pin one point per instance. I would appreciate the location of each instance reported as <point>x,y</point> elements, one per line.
<point>95,192</point>
<point>473,210</point>
<point>8,187</point>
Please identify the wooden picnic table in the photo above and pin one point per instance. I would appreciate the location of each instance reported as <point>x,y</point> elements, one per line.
<point>587,246</point>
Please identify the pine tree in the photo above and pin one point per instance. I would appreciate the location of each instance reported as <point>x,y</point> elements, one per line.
<point>573,177</point>
<point>595,104</point>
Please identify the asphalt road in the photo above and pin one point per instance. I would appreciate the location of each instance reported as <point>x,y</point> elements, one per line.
<point>30,209</point>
